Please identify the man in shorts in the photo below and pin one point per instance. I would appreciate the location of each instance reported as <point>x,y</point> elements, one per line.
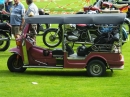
<point>32,8</point>
<point>17,14</point>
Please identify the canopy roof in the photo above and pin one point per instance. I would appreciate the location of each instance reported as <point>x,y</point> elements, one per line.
<point>106,18</point>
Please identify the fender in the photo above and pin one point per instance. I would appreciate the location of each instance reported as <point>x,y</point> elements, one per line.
<point>15,50</point>
<point>50,29</point>
<point>127,20</point>
<point>96,56</point>
<point>92,56</point>
<point>60,28</point>
<point>125,34</point>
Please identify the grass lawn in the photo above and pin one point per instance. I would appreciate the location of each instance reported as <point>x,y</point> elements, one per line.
<point>63,82</point>
<point>58,6</point>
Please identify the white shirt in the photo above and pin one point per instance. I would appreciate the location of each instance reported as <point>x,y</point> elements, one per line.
<point>32,8</point>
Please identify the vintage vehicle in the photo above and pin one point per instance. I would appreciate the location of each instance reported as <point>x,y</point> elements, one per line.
<point>96,59</point>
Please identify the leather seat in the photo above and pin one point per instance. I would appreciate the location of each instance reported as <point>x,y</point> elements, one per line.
<point>110,11</point>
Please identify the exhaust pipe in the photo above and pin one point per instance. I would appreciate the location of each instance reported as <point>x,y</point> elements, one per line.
<point>4,39</point>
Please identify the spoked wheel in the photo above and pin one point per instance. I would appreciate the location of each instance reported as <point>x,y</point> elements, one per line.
<point>52,38</point>
<point>15,63</point>
<point>4,44</point>
<point>96,68</point>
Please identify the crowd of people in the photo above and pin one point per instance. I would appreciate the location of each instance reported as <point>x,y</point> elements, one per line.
<point>17,14</point>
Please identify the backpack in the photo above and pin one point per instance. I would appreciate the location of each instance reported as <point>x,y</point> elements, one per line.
<point>106,38</point>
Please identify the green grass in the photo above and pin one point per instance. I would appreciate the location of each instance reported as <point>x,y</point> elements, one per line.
<point>63,82</point>
<point>57,6</point>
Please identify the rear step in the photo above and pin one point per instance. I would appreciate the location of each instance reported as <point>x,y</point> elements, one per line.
<point>27,66</point>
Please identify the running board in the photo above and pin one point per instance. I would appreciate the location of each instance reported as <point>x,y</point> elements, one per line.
<point>27,66</point>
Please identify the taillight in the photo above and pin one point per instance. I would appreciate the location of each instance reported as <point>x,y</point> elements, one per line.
<point>124,9</point>
<point>120,57</point>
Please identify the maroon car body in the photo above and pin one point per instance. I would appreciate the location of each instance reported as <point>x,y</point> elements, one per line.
<point>28,55</point>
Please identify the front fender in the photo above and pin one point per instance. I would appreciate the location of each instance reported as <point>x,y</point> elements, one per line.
<point>127,20</point>
<point>50,29</point>
<point>15,50</point>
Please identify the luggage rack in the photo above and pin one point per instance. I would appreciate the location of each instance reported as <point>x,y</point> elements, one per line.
<point>106,48</point>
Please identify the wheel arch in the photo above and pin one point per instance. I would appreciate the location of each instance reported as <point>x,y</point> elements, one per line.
<point>97,58</point>
<point>15,51</point>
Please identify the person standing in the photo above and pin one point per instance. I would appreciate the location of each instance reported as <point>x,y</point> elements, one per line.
<point>8,5</point>
<point>17,14</point>
<point>2,4</point>
<point>32,9</point>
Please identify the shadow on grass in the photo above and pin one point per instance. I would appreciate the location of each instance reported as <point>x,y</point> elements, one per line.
<point>80,73</point>
<point>69,73</point>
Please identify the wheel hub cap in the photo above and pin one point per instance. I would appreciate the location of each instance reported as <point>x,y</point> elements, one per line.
<point>96,69</point>
<point>52,38</point>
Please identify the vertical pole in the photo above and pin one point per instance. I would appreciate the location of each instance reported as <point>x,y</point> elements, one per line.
<point>120,37</point>
<point>63,39</point>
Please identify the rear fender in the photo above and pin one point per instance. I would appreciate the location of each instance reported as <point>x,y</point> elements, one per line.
<point>51,29</point>
<point>97,57</point>
<point>127,20</point>
<point>55,29</point>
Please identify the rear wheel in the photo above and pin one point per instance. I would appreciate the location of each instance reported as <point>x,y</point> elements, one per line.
<point>4,44</point>
<point>96,68</point>
<point>52,38</point>
<point>15,63</point>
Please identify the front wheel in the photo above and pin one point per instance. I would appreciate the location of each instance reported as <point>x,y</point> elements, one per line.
<point>15,63</point>
<point>96,68</point>
<point>52,37</point>
<point>4,41</point>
